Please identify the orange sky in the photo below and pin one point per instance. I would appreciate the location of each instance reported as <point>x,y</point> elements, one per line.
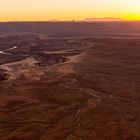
<point>24,10</point>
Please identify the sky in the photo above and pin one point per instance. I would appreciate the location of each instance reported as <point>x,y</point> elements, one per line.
<point>42,10</point>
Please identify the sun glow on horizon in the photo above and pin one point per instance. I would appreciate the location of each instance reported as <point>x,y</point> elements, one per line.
<point>41,10</point>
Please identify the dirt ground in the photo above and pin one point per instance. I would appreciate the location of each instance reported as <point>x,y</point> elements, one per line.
<point>94,96</point>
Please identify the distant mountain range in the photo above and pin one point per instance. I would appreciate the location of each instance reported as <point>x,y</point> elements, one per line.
<point>103,19</point>
<point>73,28</point>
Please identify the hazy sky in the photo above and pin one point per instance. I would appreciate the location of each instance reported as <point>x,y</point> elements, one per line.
<point>68,9</point>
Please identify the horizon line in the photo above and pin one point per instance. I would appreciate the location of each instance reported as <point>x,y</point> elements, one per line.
<point>103,19</point>
<point>71,21</point>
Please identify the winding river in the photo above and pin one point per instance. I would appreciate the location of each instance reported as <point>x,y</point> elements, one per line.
<point>3,52</point>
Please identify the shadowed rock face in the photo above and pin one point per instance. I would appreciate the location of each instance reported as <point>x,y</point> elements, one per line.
<point>4,75</point>
<point>51,60</point>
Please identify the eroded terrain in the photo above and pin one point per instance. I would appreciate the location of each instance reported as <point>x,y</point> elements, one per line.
<point>85,89</point>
